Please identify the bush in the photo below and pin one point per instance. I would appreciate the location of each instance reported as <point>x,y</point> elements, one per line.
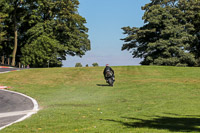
<point>95,64</point>
<point>86,65</point>
<point>78,65</point>
<point>181,65</point>
<point>198,62</point>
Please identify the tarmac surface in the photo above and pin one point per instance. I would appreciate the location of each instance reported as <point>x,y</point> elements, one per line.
<point>14,107</point>
<point>3,70</point>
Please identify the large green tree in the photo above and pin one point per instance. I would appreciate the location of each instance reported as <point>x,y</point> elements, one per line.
<point>43,32</point>
<point>2,30</point>
<point>16,11</point>
<point>192,15</point>
<point>42,49</point>
<point>2,35</point>
<point>166,37</point>
<point>59,21</point>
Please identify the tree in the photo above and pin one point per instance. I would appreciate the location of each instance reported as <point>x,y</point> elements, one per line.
<point>2,30</point>
<point>192,15</point>
<point>16,10</point>
<point>60,24</point>
<point>78,65</point>
<point>66,28</point>
<point>42,49</point>
<point>95,64</point>
<point>2,34</point>
<point>166,37</point>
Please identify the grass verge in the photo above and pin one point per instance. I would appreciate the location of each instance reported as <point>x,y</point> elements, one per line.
<point>144,99</point>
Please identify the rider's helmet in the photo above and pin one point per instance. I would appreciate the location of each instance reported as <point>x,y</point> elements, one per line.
<point>107,64</point>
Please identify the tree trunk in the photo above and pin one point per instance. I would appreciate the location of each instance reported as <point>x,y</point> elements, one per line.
<point>2,60</point>
<point>8,60</point>
<point>15,41</point>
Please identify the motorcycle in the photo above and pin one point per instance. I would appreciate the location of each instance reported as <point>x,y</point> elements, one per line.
<point>110,78</point>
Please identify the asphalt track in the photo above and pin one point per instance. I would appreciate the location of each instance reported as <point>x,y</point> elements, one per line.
<point>14,106</point>
<point>5,70</point>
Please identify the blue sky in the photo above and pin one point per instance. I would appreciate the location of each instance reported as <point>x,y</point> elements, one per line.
<point>105,18</point>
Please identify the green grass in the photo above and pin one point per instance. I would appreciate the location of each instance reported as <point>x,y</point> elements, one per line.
<point>144,99</point>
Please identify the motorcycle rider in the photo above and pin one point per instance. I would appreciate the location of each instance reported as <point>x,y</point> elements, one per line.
<point>108,68</point>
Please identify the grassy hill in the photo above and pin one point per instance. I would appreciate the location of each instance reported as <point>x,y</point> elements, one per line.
<point>144,99</point>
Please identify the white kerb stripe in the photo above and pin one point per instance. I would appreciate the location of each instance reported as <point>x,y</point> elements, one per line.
<point>9,114</point>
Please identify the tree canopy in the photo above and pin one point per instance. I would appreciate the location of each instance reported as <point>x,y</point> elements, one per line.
<point>46,31</point>
<point>2,26</point>
<point>170,35</point>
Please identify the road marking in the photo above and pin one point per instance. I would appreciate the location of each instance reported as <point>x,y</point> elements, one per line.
<point>9,114</point>
<point>5,72</point>
<point>9,71</point>
<point>3,87</point>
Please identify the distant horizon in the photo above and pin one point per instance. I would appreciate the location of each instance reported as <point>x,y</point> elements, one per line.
<point>101,66</point>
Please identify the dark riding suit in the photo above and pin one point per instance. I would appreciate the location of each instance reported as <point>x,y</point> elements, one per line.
<point>107,68</point>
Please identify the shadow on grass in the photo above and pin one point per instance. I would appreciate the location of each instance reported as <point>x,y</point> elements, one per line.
<point>103,85</point>
<point>173,124</point>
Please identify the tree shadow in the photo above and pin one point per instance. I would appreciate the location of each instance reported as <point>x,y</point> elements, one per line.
<point>103,85</point>
<point>173,124</point>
